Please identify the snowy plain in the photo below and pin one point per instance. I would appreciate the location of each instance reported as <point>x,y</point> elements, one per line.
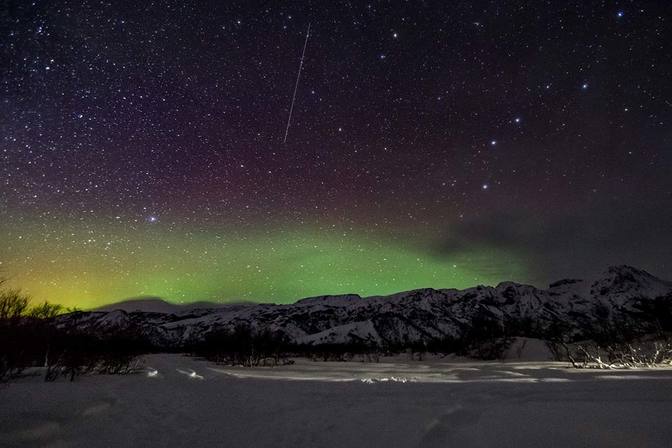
<point>180,401</point>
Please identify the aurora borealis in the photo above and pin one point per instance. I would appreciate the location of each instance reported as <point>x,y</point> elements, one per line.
<point>433,144</point>
<point>278,267</point>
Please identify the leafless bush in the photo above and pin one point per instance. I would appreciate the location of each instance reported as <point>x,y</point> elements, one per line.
<point>14,354</point>
<point>45,310</point>
<point>13,304</point>
<point>633,355</point>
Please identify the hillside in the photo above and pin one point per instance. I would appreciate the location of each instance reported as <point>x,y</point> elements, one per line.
<point>622,300</point>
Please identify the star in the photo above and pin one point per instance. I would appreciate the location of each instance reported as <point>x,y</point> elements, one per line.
<point>192,152</point>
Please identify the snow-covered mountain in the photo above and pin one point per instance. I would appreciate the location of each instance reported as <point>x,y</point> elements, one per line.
<point>151,304</point>
<point>623,298</point>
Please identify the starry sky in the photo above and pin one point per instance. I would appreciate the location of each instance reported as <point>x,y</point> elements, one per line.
<point>432,144</point>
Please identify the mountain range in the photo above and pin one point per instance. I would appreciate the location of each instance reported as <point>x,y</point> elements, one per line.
<point>623,301</point>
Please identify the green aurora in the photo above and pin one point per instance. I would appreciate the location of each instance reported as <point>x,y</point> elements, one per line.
<point>88,267</point>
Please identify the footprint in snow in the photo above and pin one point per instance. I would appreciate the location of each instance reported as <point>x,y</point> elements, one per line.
<point>39,431</point>
<point>446,427</point>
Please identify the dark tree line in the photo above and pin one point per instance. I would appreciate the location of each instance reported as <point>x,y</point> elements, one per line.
<point>244,346</point>
<point>29,337</point>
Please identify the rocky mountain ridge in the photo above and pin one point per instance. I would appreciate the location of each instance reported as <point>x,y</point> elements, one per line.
<point>623,300</point>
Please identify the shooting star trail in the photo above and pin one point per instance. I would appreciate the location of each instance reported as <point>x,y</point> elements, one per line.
<point>296,85</point>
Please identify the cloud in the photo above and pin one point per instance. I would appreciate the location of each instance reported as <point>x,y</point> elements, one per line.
<point>557,244</point>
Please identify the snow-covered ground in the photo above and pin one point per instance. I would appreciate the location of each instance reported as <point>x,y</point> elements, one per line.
<point>184,402</point>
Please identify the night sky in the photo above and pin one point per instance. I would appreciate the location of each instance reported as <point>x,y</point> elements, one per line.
<point>432,144</point>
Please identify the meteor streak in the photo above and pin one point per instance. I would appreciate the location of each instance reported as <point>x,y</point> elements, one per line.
<point>296,85</point>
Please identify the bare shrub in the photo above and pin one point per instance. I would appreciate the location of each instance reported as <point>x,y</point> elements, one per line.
<point>45,310</point>
<point>13,304</point>
<point>15,336</point>
<point>631,355</point>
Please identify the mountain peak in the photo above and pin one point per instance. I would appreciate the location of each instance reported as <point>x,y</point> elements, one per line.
<point>151,304</point>
<point>332,300</point>
<point>629,274</point>
<point>624,280</point>
<point>624,269</point>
